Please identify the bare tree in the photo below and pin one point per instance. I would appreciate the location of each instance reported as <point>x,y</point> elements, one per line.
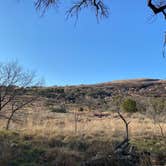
<point>14,82</point>
<point>124,144</point>
<point>126,125</point>
<point>99,6</point>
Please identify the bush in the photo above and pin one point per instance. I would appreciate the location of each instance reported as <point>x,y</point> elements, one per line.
<point>81,109</point>
<point>129,105</point>
<point>58,109</point>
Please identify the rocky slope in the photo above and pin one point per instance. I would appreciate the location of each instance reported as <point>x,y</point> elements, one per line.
<point>102,96</point>
<point>141,87</point>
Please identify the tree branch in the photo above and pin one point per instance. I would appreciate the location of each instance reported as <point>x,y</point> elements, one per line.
<point>99,7</point>
<point>157,9</point>
<point>126,124</point>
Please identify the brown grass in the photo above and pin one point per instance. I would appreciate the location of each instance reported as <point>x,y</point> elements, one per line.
<point>45,123</point>
<point>53,136</point>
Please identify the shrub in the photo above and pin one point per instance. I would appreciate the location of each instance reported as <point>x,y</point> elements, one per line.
<point>81,109</point>
<point>129,105</point>
<point>59,109</point>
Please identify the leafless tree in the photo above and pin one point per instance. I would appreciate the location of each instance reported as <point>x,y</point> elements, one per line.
<point>13,84</point>
<point>126,125</point>
<point>99,6</point>
<point>125,143</point>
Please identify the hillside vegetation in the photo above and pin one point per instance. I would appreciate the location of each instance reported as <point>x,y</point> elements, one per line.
<point>71,125</point>
<point>149,95</point>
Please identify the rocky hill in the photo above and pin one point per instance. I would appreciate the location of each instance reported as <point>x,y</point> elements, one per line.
<point>104,95</point>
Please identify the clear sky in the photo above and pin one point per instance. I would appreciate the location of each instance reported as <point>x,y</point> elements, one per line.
<point>126,45</point>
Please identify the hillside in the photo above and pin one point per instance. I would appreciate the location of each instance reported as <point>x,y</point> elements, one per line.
<point>107,96</point>
<point>73,125</point>
<point>142,87</point>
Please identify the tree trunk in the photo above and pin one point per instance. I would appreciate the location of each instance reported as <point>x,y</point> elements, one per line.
<point>9,120</point>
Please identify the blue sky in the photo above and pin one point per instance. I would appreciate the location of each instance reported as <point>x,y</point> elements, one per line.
<point>126,45</point>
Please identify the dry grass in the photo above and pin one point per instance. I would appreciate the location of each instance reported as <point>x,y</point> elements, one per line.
<point>47,137</point>
<point>45,123</point>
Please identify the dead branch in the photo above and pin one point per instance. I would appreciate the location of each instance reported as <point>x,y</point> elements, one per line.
<point>126,125</point>
<point>44,4</point>
<point>125,143</point>
<point>101,10</point>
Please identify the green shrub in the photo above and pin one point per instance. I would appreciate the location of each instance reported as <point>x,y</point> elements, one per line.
<point>129,105</point>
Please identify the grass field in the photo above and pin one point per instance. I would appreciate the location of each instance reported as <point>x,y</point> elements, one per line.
<point>47,138</point>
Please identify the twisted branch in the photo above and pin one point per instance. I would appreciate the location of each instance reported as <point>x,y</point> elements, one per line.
<point>157,9</point>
